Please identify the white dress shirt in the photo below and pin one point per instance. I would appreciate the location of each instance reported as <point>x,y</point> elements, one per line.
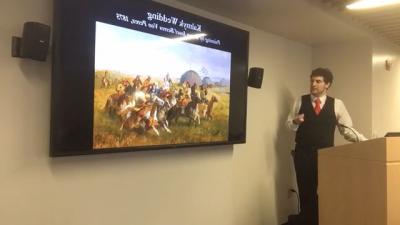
<point>345,124</point>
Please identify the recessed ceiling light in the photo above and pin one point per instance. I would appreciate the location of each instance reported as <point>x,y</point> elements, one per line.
<point>368,4</point>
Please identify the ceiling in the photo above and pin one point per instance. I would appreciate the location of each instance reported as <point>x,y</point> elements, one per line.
<point>384,21</point>
<point>312,22</point>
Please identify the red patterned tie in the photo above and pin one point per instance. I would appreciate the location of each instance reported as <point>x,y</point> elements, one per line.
<point>317,107</point>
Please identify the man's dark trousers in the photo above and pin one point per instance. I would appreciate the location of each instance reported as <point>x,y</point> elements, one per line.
<point>305,161</point>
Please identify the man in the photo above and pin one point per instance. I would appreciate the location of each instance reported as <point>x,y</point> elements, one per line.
<point>314,117</point>
<point>203,93</point>
<point>146,84</point>
<point>137,82</point>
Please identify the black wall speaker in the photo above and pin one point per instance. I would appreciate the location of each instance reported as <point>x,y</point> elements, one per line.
<point>255,77</point>
<point>34,43</point>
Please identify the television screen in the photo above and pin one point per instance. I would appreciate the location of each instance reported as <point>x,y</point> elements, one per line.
<point>138,75</point>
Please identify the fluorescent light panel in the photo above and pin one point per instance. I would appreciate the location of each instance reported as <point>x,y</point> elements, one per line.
<point>368,4</point>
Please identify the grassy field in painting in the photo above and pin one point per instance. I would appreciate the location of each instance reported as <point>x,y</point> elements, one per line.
<point>107,133</point>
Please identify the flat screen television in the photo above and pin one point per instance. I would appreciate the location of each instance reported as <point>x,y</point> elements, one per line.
<point>140,75</point>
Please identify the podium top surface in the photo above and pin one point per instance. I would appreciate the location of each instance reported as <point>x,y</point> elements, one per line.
<point>381,149</point>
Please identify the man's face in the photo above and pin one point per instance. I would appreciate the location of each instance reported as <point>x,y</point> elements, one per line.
<point>318,87</point>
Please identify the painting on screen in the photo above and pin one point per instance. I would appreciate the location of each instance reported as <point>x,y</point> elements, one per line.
<point>151,90</point>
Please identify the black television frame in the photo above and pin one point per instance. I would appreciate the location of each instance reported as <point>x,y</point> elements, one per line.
<point>71,129</point>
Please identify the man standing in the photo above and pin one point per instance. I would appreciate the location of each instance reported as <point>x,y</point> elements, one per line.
<point>314,117</point>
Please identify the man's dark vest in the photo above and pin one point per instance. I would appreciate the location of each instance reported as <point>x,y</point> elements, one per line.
<point>316,131</point>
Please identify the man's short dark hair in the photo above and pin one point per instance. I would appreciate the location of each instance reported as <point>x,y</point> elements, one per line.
<point>323,72</point>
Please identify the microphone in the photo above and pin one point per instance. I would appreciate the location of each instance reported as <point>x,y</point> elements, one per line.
<point>351,129</point>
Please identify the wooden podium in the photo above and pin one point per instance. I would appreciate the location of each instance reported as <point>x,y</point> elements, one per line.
<point>359,184</point>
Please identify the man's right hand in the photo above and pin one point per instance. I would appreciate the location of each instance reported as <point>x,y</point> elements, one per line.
<point>298,119</point>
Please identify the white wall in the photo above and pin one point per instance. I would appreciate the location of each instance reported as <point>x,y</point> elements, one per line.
<point>265,159</point>
<point>351,65</point>
<point>386,89</point>
<point>241,184</point>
